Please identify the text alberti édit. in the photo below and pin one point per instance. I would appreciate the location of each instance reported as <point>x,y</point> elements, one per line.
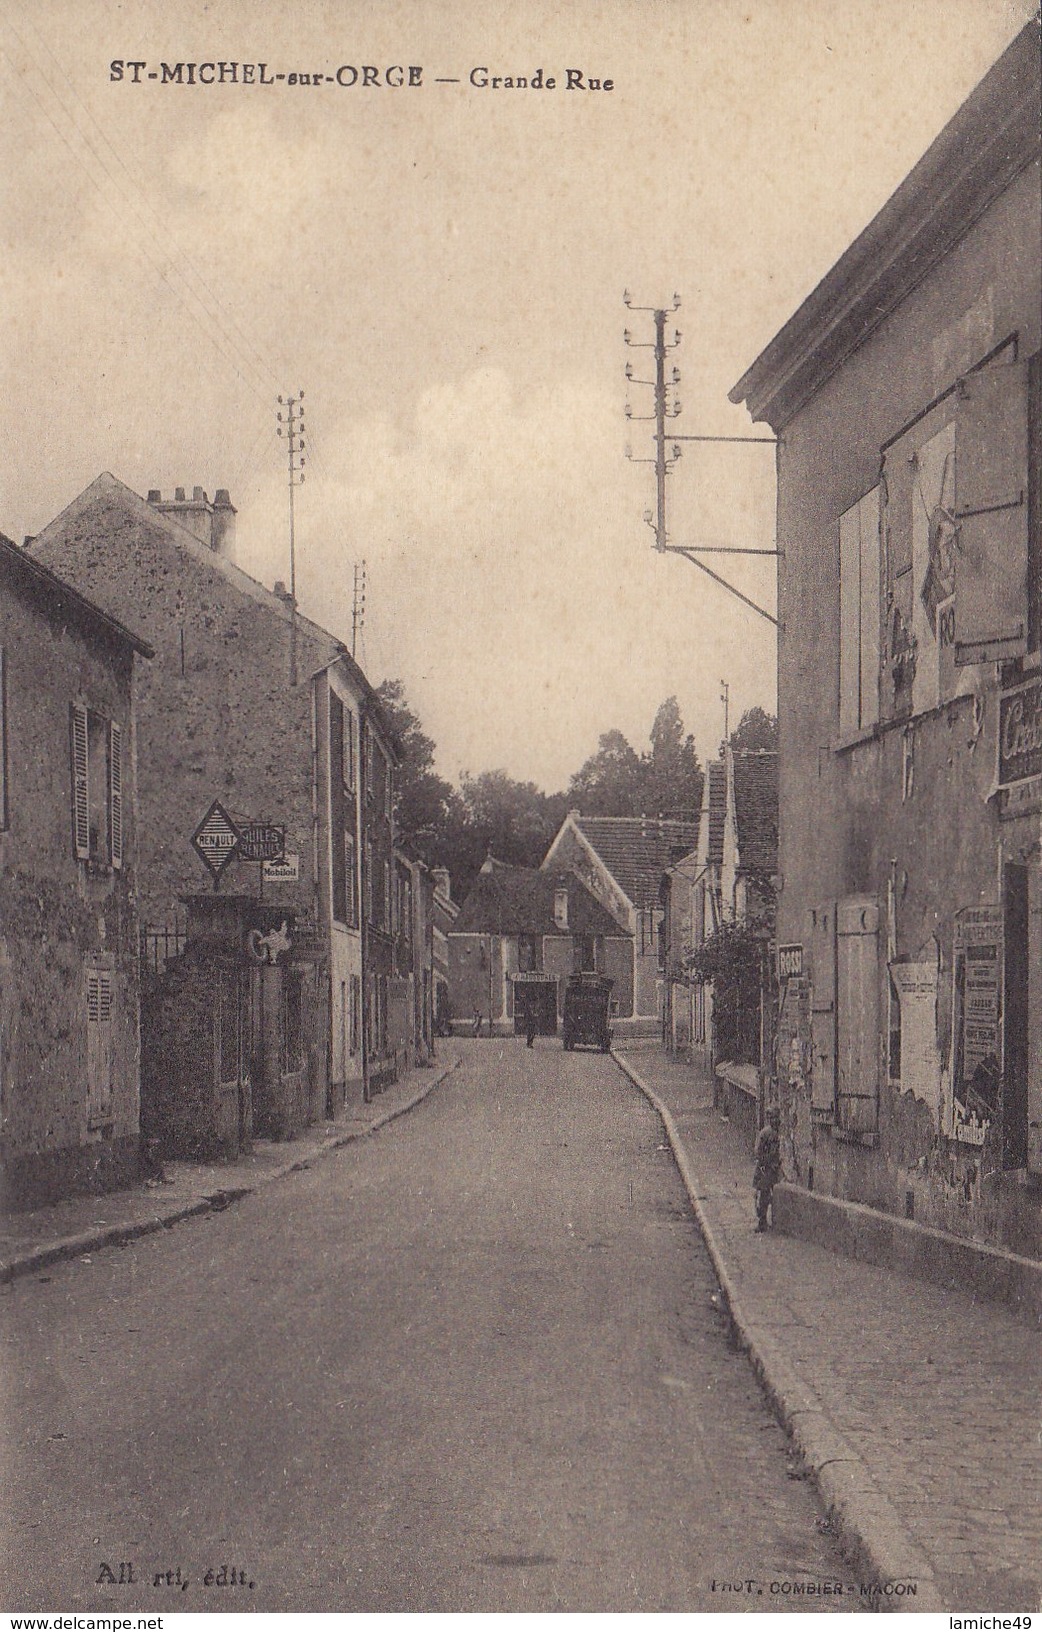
<point>348,76</point>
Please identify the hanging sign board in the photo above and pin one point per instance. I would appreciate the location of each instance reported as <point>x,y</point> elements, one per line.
<point>1020,734</point>
<point>216,840</point>
<point>260,841</point>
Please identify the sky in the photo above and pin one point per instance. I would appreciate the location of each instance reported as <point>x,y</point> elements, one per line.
<point>441,269</point>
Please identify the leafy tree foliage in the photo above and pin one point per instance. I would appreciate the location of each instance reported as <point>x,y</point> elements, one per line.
<point>755,730</point>
<point>610,782</point>
<point>426,807</point>
<point>617,781</point>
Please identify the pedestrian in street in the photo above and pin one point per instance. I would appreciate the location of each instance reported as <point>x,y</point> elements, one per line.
<point>477,1025</point>
<point>530,1026</point>
<point>767,1167</point>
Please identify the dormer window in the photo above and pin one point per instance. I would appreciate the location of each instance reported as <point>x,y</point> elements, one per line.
<point>561,908</point>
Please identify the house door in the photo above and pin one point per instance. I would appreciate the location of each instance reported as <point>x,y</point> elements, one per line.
<point>232,1059</point>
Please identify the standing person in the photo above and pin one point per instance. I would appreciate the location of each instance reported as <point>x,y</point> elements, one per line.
<point>530,1025</point>
<point>767,1167</point>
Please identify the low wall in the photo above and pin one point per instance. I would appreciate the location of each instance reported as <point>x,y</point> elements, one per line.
<point>932,1255</point>
<point>736,1093</point>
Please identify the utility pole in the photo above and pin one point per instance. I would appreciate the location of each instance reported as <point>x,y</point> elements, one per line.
<point>666,409</point>
<point>358,606</point>
<point>293,425</point>
<point>725,698</point>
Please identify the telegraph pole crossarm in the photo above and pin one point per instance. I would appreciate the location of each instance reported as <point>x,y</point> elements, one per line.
<point>677,549</point>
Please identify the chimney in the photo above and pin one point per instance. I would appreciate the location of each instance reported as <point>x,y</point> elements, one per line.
<point>442,881</point>
<point>223,534</point>
<point>212,524</point>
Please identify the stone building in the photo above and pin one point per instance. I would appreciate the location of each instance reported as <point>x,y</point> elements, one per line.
<point>622,860</point>
<point>906,393</point>
<point>69,1025</point>
<point>252,706</point>
<point>519,935</point>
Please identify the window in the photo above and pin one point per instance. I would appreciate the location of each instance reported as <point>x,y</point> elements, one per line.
<point>99,1046</point>
<point>859,589</point>
<point>342,813</point>
<point>527,954</point>
<point>97,787</point>
<point>584,954</point>
<point>356,1005</point>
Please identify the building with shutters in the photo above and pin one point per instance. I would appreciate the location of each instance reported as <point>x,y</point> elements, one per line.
<point>69,1022</point>
<point>253,705</point>
<point>906,394</point>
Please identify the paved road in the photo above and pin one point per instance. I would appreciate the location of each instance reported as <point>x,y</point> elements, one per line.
<point>469,1364</point>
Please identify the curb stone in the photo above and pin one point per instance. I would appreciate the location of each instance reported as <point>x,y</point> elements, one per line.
<point>118,1235</point>
<point>869,1528</point>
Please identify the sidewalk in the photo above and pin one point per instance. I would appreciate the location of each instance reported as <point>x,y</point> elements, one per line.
<point>85,1224</point>
<point>916,1410</point>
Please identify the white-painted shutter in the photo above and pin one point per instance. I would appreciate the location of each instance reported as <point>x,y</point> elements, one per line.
<point>115,794</point>
<point>822,939</point>
<point>991,558</point>
<point>849,622</point>
<point>869,611</point>
<point>857,1014</point>
<point>80,793</point>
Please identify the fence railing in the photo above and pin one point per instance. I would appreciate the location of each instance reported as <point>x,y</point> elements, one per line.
<point>161,944</point>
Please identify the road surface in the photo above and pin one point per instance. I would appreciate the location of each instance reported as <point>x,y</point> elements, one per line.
<point>471,1363</point>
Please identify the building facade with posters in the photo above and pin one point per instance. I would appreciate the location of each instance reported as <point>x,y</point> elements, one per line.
<point>69,991</point>
<point>727,882</point>
<point>519,935</point>
<point>252,715</point>
<point>905,394</point>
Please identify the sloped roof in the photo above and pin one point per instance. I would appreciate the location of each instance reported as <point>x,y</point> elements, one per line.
<point>59,599</point>
<point>716,800</point>
<point>756,810</point>
<point>520,901</point>
<point>637,850</point>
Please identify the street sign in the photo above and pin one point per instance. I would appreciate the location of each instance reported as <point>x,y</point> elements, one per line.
<point>790,962</point>
<point>216,839</point>
<point>260,841</point>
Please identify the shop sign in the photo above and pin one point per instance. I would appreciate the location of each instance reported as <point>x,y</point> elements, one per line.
<point>261,841</point>
<point>976,1022</point>
<point>533,975</point>
<point>790,962</point>
<point>286,871</point>
<point>1020,734</point>
<point>216,840</point>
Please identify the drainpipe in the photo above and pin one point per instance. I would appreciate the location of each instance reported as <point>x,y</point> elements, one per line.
<point>360,803</point>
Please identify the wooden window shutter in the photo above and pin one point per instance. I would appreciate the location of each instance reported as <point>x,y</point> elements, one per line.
<point>849,618</point>
<point>991,559</point>
<point>99,1046</point>
<point>115,794</point>
<point>4,810</point>
<point>822,938</point>
<point>80,796</point>
<point>857,1014</point>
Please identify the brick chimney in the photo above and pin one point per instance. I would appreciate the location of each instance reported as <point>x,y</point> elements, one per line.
<point>212,524</point>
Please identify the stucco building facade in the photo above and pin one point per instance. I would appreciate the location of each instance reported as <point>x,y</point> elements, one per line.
<point>907,401</point>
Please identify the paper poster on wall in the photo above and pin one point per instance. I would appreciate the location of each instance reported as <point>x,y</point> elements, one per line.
<point>977,977</point>
<point>920,1058</point>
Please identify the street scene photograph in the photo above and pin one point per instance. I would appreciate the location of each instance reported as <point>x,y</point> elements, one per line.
<point>521,810</point>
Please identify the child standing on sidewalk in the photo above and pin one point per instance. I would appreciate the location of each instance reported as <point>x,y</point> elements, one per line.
<point>767,1167</point>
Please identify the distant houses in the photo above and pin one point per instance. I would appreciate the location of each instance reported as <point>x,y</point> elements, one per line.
<point>518,936</point>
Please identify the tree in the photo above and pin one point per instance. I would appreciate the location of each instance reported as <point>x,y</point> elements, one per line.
<point>611,782</point>
<point>425,804</point>
<point>755,731</point>
<point>515,820</point>
<point>672,774</point>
